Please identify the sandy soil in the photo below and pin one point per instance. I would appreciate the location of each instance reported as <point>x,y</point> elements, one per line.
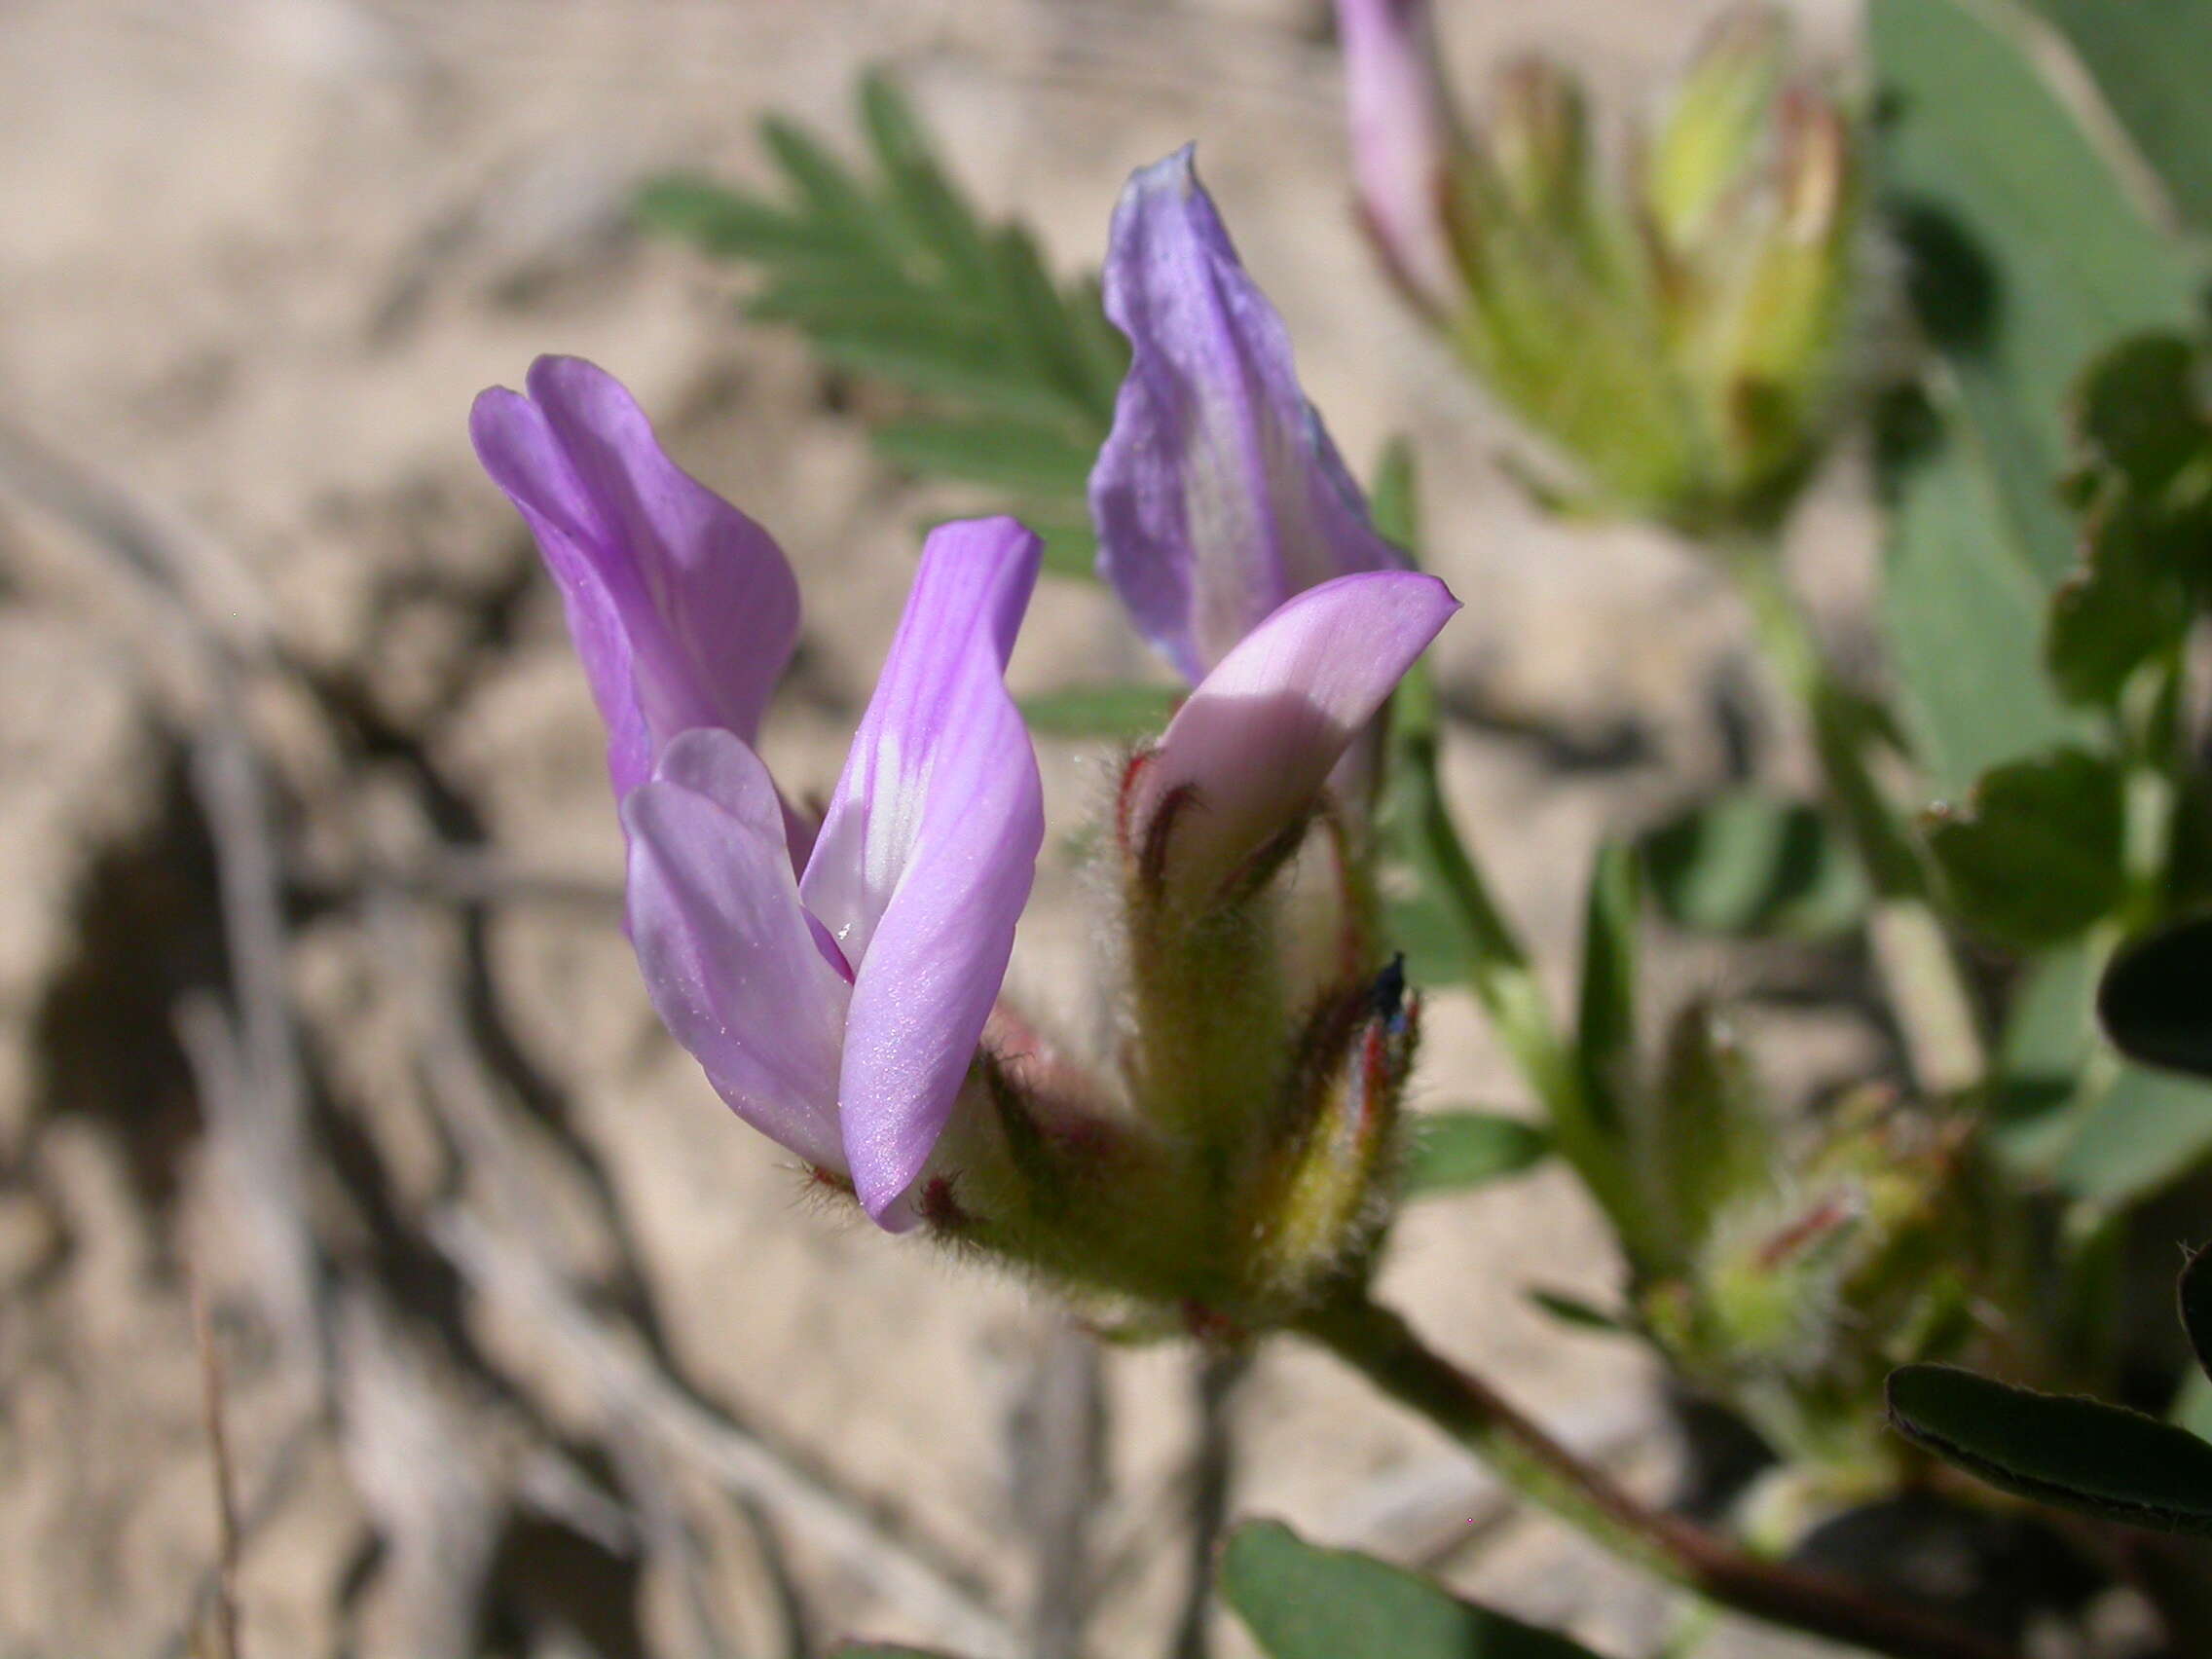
<point>562,1364</point>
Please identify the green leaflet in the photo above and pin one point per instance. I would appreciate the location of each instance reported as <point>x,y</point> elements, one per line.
<point>1747,862</point>
<point>2034,854</point>
<point>1454,1151</point>
<point>2073,1453</point>
<point>1303,1603</point>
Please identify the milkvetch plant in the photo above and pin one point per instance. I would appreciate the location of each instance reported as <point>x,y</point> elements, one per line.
<point>1680,321</point>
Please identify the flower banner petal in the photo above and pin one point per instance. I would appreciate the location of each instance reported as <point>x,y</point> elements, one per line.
<point>1250,748</point>
<point>683,610</point>
<point>1218,493</point>
<point>731,959</point>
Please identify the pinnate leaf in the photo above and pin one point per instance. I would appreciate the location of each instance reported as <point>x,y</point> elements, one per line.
<point>985,370</point>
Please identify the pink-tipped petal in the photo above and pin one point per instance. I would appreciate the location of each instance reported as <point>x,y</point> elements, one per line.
<point>927,853</point>
<point>1401,125</point>
<point>729,957</point>
<point>1218,493</point>
<point>683,608</point>
<point>1248,751</point>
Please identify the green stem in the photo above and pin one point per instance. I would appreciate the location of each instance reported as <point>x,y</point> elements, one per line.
<point>1934,1009</point>
<point>1501,972</point>
<point>1383,1347</point>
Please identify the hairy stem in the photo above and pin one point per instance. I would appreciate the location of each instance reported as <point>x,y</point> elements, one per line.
<point>1383,1347</point>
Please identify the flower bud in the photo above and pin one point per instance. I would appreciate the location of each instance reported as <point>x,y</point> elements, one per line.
<point>1218,493</point>
<point>1321,1195</point>
<point>1716,129</point>
<point>1866,1251</point>
<point>1669,337</point>
<point>1539,143</point>
<point>1403,136</point>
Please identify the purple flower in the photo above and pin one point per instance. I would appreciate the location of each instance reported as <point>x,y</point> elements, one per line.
<point>682,608</point>
<point>838,1011</point>
<point>1247,755</point>
<point>1218,494</point>
<point>1402,137</point>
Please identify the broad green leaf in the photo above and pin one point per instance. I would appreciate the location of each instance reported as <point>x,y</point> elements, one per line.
<point>2157,998</point>
<point>1964,617</point>
<point>2034,854</point>
<point>1451,1151</point>
<point>1120,712</point>
<point>1745,862</point>
<point>2142,1132</point>
<point>2072,1454</point>
<point>1300,1602</point>
<point>2153,59</point>
<point>2111,617</point>
<point>2026,252</point>
<point>2194,1294</point>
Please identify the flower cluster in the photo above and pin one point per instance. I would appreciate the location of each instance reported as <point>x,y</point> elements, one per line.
<point>840,982</point>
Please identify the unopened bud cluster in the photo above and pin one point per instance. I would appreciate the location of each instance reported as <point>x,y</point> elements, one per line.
<point>1669,321</point>
<point>1802,1276</point>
